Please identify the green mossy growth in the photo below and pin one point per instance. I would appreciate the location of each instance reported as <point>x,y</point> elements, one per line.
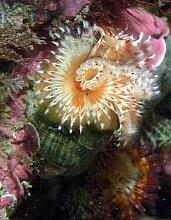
<point>157,132</point>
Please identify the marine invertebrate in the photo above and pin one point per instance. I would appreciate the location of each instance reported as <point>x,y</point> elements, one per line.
<point>95,76</point>
<point>120,183</point>
<point>128,179</point>
<point>126,14</point>
<point>155,27</point>
<point>73,153</point>
<point>62,153</point>
<point>141,190</point>
<point>81,201</point>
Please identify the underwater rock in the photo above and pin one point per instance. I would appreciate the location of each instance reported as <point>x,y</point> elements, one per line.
<point>15,173</point>
<point>71,8</point>
<point>27,140</point>
<point>92,83</point>
<point>16,149</point>
<point>15,16</point>
<point>13,177</point>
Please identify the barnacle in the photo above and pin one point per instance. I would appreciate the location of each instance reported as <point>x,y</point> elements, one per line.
<point>128,179</point>
<point>95,76</point>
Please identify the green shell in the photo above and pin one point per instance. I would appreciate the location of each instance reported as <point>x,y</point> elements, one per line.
<point>157,132</point>
<point>63,153</point>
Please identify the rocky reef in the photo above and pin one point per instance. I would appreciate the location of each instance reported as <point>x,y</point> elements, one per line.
<point>85,110</point>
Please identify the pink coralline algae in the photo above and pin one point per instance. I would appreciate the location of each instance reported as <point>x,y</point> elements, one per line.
<point>124,16</point>
<point>13,173</point>
<point>5,132</point>
<point>16,170</point>
<point>150,25</point>
<point>166,156</point>
<point>27,140</point>
<point>16,108</point>
<point>71,8</point>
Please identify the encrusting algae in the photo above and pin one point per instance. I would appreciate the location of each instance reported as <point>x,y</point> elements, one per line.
<point>96,76</point>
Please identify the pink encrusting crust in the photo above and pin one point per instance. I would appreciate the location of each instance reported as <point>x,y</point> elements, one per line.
<point>138,21</point>
<point>13,173</point>
<point>71,8</point>
<point>124,15</point>
<point>16,167</point>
